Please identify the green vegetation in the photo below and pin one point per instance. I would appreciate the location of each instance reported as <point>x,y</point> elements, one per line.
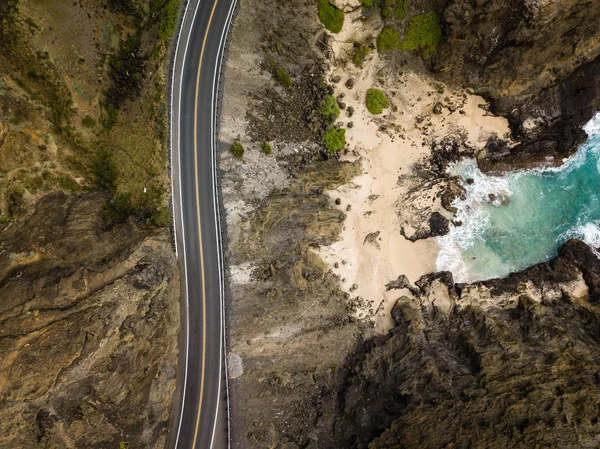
<point>376,101</point>
<point>147,208</point>
<point>330,16</point>
<point>109,118</point>
<point>388,39</point>
<point>335,139</point>
<point>282,76</point>
<point>169,21</point>
<point>368,4</point>
<point>88,122</point>
<point>423,33</point>
<point>237,149</point>
<point>126,71</point>
<point>32,25</point>
<point>385,7</point>
<point>400,10</point>
<point>330,109</point>
<point>266,147</point>
<point>16,120</point>
<point>105,171</point>
<point>358,58</point>
<point>67,183</point>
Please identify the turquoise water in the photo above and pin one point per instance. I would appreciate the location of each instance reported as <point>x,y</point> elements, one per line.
<point>530,214</point>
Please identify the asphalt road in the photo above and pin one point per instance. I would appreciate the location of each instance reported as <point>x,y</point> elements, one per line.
<point>203,405</point>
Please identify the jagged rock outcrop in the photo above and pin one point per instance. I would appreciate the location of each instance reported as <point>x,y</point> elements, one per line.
<point>506,363</point>
<point>89,329</point>
<point>536,60</point>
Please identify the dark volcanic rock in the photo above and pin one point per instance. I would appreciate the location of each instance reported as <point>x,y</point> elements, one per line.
<point>438,224</point>
<point>520,370</point>
<point>538,64</point>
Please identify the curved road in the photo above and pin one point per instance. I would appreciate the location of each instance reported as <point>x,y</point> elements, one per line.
<point>196,72</point>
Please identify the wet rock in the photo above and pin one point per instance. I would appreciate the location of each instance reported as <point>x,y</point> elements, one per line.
<point>350,83</point>
<point>438,224</point>
<point>350,111</point>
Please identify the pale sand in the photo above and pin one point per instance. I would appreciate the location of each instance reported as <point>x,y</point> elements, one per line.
<point>385,156</point>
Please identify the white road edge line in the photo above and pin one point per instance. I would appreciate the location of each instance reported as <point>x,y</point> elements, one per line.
<point>216,78</point>
<point>217,215</point>
<point>187,322</point>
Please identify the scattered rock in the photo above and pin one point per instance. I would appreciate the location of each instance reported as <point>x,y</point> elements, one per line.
<point>402,282</point>
<point>371,238</point>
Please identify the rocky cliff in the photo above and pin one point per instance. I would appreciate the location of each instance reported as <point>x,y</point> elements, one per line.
<point>89,324</point>
<point>536,60</point>
<point>89,288</point>
<point>506,363</point>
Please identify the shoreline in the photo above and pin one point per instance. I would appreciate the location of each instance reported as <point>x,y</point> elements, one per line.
<point>370,251</point>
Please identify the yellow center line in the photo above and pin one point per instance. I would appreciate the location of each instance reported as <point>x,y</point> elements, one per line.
<point>199,226</point>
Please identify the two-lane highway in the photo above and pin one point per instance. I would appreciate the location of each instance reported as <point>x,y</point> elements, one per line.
<point>196,71</point>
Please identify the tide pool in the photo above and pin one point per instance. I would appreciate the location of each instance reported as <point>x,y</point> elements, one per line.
<point>528,216</point>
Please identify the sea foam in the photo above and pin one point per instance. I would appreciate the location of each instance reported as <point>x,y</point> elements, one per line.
<point>532,213</point>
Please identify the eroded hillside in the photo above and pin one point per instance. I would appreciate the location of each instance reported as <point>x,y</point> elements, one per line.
<point>89,289</point>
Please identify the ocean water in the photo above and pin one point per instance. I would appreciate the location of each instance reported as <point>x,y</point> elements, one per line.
<point>533,212</point>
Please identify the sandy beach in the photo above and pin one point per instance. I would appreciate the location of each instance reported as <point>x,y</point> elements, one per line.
<point>371,251</point>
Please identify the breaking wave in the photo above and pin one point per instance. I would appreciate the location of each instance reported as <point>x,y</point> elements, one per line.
<point>516,220</point>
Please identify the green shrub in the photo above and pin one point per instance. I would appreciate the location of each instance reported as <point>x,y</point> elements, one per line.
<point>282,76</point>
<point>68,183</point>
<point>169,20</point>
<point>376,101</point>
<point>388,39</point>
<point>368,4</point>
<point>400,10</point>
<point>423,33</point>
<point>330,108</point>
<point>358,58</point>
<point>105,171</point>
<point>330,16</point>
<point>335,139</point>
<point>126,71</point>
<point>88,121</point>
<point>237,149</point>
<point>385,7</point>
<point>110,115</point>
<point>266,148</point>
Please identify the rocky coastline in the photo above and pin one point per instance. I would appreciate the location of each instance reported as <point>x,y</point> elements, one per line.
<point>502,363</point>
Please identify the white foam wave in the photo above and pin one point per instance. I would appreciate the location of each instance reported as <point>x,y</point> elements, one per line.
<point>449,258</point>
<point>475,218</point>
<point>588,233</point>
<point>472,214</point>
<point>592,128</point>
